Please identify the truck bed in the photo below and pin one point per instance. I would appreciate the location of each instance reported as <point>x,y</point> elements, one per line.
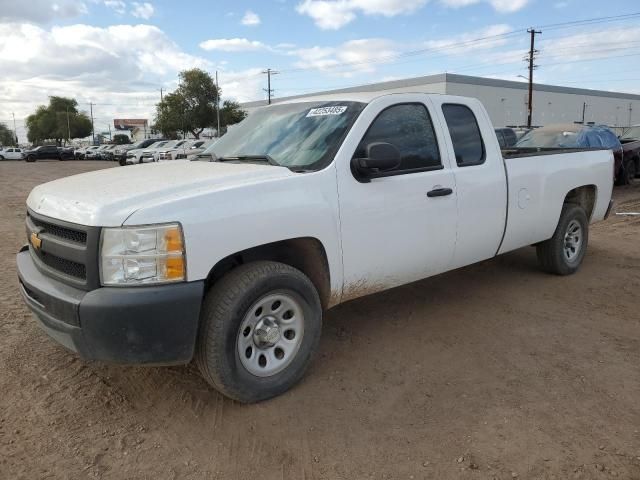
<point>538,183</point>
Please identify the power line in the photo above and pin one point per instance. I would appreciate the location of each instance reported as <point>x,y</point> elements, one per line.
<point>466,43</point>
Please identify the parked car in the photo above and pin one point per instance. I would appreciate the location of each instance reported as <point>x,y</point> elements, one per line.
<point>97,153</point>
<point>172,149</point>
<point>630,140</point>
<point>85,153</point>
<point>11,153</point>
<point>206,154</point>
<point>506,137</point>
<point>66,153</point>
<point>308,204</point>
<point>194,150</point>
<point>144,155</point>
<point>574,135</point>
<point>108,153</point>
<point>120,153</point>
<point>43,152</point>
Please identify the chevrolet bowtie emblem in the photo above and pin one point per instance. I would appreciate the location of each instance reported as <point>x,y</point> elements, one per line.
<point>36,242</point>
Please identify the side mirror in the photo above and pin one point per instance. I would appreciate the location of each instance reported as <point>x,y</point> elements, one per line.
<point>380,157</point>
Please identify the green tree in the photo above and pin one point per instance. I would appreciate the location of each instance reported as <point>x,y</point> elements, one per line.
<point>192,106</point>
<point>230,113</point>
<point>121,139</point>
<point>7,137</point>
<point>57,121</point>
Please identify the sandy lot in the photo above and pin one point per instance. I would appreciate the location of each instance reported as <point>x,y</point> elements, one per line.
<point>493,371</point>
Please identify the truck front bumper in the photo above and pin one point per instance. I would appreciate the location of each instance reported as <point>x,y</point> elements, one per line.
<point>132,325</point>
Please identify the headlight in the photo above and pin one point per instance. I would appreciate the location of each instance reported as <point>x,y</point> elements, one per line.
<point>142,255</point>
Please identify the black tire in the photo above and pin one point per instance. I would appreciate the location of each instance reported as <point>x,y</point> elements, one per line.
<point>223,311</point>
<point>630,171</point>
<point>30,159</point>
<point>1,157</point>
<point>551,253</point>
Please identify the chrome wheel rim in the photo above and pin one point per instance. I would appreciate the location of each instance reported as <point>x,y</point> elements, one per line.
<point>572,240</point>
<point>270,334</point>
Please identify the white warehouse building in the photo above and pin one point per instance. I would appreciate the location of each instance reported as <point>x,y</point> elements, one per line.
<point>506,101</point>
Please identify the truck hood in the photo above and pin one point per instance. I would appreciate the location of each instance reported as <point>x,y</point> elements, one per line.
<point>108,197</point>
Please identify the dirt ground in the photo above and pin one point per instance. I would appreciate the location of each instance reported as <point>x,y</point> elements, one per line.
<point>492,371</point>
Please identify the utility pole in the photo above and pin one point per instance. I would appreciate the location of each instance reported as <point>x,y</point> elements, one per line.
<point>532,54</point>
<point>68,127</point>
<point>15,132</point>
<point>162,109</point>
<point>269,91</point>
<point>93,133</point>
<point>584,109</point>
<point>217,105</point>
<point>109,125</point>
<point>630,112</point>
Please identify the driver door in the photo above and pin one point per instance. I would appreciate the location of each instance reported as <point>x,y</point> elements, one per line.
<point>401,225</point>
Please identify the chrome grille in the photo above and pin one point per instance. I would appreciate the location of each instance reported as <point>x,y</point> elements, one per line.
<point>66,251</point>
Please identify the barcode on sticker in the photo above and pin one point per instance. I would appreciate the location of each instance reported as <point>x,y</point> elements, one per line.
<point>322,111</point>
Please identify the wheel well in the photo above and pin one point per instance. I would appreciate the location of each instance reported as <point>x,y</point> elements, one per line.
<point>584,196</point>
<point>306,254</point>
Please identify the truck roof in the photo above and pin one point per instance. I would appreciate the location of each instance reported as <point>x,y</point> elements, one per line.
<point>363,97</point>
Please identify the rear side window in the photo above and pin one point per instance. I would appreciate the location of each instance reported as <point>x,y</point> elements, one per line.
<point>409,128</point>
<point>465,135</point>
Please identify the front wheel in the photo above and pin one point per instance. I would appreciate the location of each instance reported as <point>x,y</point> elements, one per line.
<point>30,159</point>
<point>259,328</point>
<point>562,254</point>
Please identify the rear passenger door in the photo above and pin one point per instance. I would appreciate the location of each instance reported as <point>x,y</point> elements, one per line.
<point>393,232</point>
<point>479,176</point>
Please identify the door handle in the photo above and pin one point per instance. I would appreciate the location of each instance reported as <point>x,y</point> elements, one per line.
<point>439,192</point>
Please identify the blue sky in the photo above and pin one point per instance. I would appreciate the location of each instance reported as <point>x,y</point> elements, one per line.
<point>117,54</point>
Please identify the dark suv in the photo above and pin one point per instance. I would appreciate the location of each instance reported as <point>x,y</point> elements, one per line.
<point>44,152</point>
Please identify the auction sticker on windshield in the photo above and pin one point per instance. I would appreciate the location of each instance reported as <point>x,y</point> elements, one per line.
<point>323,111</point>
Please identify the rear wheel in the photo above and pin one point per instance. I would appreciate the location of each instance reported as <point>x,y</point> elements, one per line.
<point>260,326</point>
<point>630,171</point>
<point>562,254</point>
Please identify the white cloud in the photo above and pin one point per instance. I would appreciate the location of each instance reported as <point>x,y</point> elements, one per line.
<point>250,19</point>
<point>232,45</point>
<point>40,11</point>
<point>142,10</point>
<point>242,86</point>
<point>501,6</point>
<point>362,55</point>
<point>335,14</point>
<point>117,5</point>
<point>123,65</point>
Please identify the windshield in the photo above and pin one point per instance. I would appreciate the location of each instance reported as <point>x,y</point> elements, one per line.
<point>632,133</point>
<point>303,135</point>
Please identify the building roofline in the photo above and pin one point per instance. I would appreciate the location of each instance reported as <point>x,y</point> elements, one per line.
<point>454,78</point>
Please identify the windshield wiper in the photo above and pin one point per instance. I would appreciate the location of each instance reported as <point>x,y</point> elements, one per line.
<point>264,158</point>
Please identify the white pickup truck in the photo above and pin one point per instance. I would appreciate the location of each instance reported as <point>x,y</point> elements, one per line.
<point>305,204</point>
